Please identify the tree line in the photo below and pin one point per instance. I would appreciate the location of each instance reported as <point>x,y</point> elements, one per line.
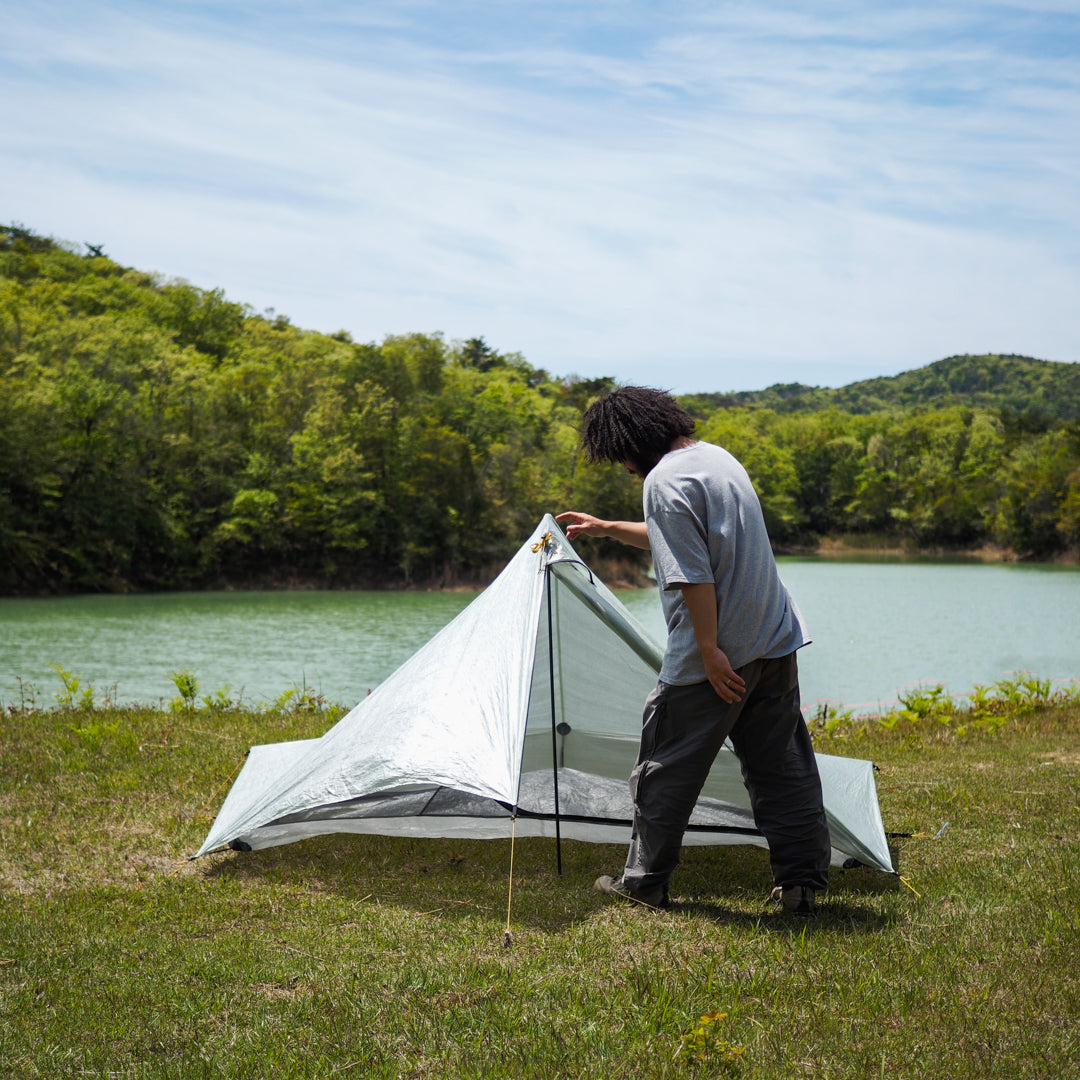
<point>157,435</point>
<point>951,478</point>
<point>1026,389</point>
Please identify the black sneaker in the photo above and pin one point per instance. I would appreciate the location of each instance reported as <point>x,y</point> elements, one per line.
<point>796,899</point>
<point>656,897</point>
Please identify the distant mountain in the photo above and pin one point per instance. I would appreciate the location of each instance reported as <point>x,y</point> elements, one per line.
<point>1020,384</point>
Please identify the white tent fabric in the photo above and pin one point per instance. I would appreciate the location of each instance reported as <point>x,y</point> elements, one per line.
<point>491,714</point>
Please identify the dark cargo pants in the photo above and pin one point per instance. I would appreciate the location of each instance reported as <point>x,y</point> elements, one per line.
<point>683,730</point>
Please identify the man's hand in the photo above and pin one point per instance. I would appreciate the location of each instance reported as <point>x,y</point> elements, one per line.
<point>633,533</point>
<point>701,603</point>
<point>723,677</point>
<point>582,524</point>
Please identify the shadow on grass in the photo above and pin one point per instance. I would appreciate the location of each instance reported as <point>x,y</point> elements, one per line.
<point>464,879</point>
<point>731,886</point>
<point>834,918</point>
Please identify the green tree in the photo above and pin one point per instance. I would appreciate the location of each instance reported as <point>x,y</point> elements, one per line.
<point>1036,514</point>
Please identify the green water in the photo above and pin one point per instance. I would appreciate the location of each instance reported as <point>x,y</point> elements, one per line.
<point>878,627</point>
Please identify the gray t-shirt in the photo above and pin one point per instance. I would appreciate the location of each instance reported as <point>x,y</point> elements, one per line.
<point>705,525</point>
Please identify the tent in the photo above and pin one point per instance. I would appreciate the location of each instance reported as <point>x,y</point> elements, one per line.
<point>525,709</point>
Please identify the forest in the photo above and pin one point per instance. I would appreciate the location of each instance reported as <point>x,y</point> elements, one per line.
<point>156,435</point>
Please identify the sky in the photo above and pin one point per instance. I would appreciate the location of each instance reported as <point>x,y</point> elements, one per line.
<point>703,196</point>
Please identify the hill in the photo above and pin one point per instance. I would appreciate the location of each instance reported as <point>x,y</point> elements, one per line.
<point>1020,384</point>
<point>155,435</point>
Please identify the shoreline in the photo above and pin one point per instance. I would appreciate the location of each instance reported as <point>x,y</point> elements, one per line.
<point>855,547</point>
<point>616,573</point>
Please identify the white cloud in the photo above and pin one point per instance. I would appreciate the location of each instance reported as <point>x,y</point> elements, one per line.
<point>745,197</point>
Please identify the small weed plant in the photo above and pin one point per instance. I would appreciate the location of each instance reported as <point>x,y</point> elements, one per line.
<point>188,686</point>
<point>75,695</point>
<point>705,1047</point>
<point>300,699</point>
<point>220,701</point>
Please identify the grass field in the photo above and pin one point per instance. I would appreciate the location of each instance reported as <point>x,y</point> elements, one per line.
<point>368,956</point>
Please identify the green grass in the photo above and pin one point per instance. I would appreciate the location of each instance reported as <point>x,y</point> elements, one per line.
<point>371,956</point>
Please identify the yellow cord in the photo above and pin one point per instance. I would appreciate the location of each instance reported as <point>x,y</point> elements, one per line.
<point>910,886</point>
<point>542,542</point>
<point>508,937</point>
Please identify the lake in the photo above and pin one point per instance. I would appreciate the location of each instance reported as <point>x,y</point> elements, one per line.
<point>878,627</point>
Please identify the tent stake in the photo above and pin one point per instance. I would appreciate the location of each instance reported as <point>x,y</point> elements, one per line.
<point>554,735</point>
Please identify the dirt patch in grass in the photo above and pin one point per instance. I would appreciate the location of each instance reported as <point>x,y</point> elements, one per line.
<point>1059,757</point>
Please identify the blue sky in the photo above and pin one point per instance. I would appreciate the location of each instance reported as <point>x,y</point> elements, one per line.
<point>702,196</point>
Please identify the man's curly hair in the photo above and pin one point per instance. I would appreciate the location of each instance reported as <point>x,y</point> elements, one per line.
<point>634,424</point>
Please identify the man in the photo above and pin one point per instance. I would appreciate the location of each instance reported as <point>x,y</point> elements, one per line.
<point>729,667</point>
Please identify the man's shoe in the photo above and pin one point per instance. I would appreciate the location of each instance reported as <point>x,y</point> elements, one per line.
<point>615,886</point>
<point>796,899</point>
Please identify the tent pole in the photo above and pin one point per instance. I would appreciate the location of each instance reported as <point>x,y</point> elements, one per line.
<point>554,739</point>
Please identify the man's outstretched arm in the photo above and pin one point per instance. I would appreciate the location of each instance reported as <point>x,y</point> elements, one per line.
<point>633,533</point>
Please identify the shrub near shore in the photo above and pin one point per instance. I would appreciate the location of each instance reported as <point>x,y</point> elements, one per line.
<point>376,956</point>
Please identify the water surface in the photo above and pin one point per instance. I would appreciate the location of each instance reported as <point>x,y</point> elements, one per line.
<point>878,628</point>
